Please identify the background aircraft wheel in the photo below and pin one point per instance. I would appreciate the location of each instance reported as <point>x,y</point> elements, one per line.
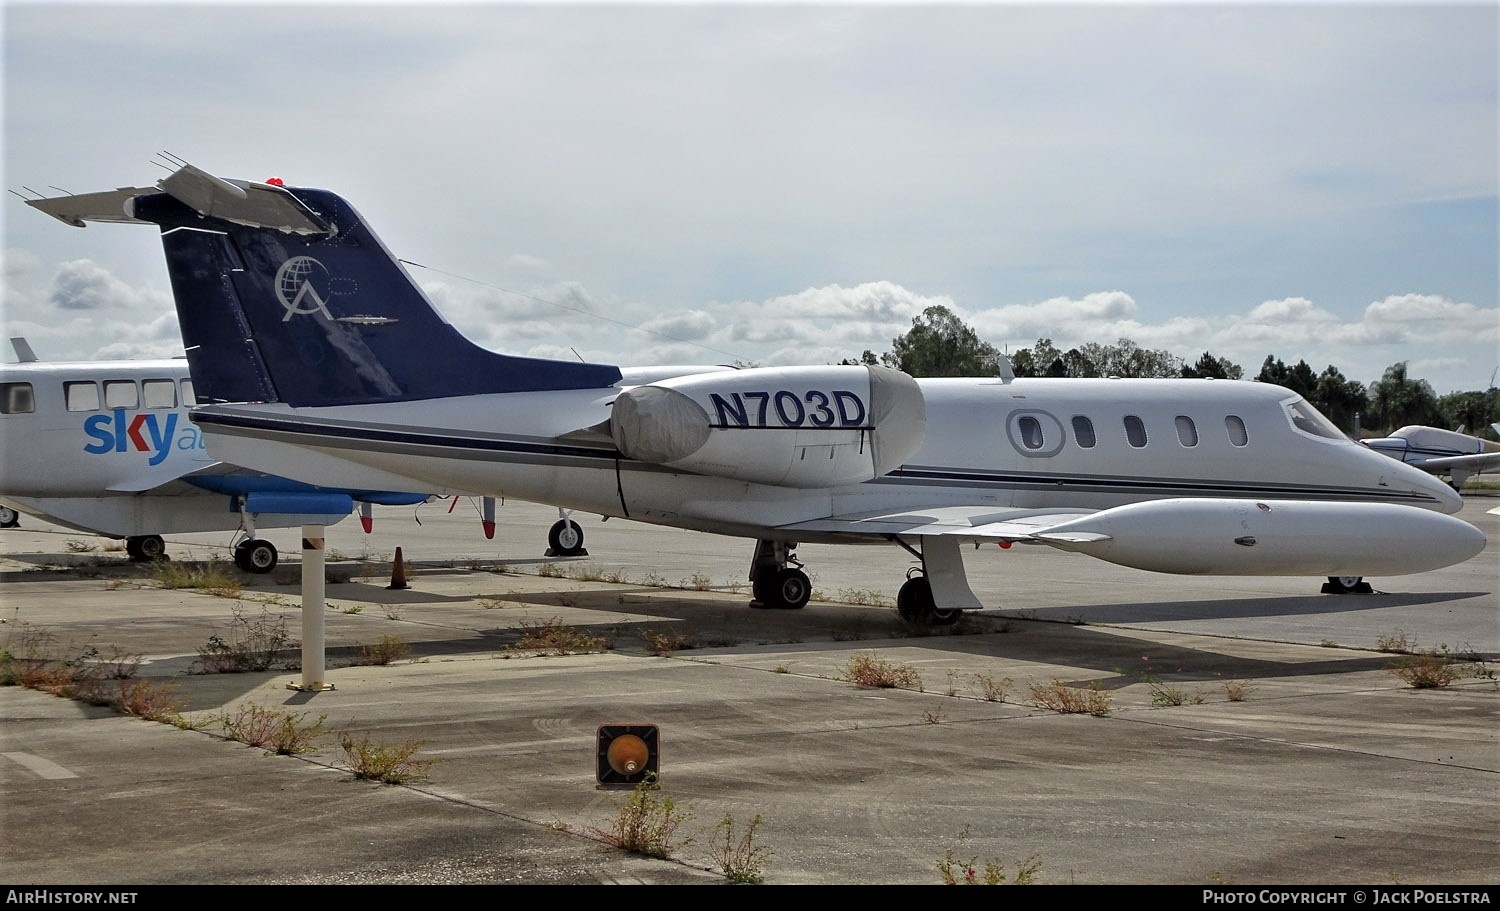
<point>566,538</point>
<point>145,548</point>
<point>257,556</point>
<point>9,518</point>
<point>1347,585</point>
<point>914,602</point>
<point>793,588</point>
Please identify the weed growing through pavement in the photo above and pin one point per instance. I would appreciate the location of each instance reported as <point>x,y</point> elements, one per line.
<point>251,644</point>
<point>646,824</point>
<point>75,546</point>
<point>551,637</point>
<point>1237,690</point>
<point>740,860</point>
<point>1057,696</point>
<point>284,733</point>
<point>667,644</point>
<point>955,872</point>
<point>870,670</point>
<point>211,578</point>
<point>382,652</point>
<point>388,763</point>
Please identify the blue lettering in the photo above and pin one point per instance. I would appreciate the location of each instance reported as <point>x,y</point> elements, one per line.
<point>765,400</point>
<point>161,438</point>
<point>726,410</point>
<point>191,439</point>
<point>95,428</point>
<point>822,415</point>
<point>846,418</point>
<point>819,410</point>
<point>120,431</point>
<point>782,398</point>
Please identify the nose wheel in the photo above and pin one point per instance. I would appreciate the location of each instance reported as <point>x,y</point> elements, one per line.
<point>145,548</point>
<point>565,539</point>
<point>255,556</point>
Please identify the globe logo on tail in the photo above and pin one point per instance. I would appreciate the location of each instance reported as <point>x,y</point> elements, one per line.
<point>294,287</point>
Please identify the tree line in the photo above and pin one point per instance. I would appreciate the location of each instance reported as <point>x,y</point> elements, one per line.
<point>940,344</point>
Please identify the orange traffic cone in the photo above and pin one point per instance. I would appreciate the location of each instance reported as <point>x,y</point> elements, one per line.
<point>398,572</point>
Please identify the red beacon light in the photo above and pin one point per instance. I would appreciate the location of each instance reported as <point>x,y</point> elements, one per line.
<point>274,182</point>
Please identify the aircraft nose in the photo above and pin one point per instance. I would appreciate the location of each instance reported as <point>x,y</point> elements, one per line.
<point>1446,498</point>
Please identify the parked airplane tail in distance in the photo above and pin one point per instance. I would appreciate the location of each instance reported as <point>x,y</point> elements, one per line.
<point>320,358</point>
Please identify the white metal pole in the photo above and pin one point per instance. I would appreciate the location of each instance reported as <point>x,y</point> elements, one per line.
<point>312,610</point>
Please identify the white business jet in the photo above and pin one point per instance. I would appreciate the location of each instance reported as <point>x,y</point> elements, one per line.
<point>314,353</point>
<point>107,447</point>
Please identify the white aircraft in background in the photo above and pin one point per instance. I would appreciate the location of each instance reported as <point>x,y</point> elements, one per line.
<point>313,352</point>
<point>107,447</point>
<point>1453,453</point>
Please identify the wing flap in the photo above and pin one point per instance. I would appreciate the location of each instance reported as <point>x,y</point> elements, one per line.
<point>973,522</point>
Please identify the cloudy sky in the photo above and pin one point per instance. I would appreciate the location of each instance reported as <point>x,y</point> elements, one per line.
<point>792,184</point>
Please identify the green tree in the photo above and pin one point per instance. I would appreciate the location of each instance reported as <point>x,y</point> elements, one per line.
<point>1126,358</point>
<point>939,344</point>
<point>1219,368</point>
<point>867,359</point>
<point>1397,400</point>
<point>1339,398</point>
<point>1299,378</point>
<point>1473,411</point>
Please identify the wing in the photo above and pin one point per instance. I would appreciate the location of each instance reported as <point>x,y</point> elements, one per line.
<point>1474,464</point>
<point>979,523</point>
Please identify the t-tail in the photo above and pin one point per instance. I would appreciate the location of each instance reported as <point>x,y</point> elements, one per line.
<point>284,294</point>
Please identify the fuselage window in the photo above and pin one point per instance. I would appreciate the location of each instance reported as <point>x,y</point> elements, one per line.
<point>1135,431</point>
<point>1187,432</point>
<point>1083,431</point>
<point>121,394</point>
<point>1031,432</point>
<point>1236,428</point>
<point>17,398</point>
<point>82,396</point>
<point>159,393</point>
<point>188,398</point>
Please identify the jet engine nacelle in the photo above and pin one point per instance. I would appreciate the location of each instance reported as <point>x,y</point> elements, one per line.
<point>789,426</point>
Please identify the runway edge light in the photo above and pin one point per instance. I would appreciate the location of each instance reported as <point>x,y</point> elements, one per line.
<point>628,753</point>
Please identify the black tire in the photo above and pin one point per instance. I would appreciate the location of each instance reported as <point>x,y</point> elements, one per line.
<point>914,601</point>
<point>9,518</point>
<point>146,548</point>
<point>565,539</point>
<point>792,588</point>
<point>256,556</point>
<point>1347,585</point>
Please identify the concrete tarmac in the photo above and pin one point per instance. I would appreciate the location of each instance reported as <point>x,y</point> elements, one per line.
<point>1247,731</point>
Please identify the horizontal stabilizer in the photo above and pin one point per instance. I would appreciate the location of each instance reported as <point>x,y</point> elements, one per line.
<point>256,205</point>
<point>109,206</point>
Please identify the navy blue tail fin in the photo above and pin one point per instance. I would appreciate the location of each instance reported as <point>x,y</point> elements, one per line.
<point>284,294</point>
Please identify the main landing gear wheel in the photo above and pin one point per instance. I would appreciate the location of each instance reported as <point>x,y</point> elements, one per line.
<point>1347,585</point>
<point>565,539</point>
<point>145,548</point>
<point>255,556</point>
<point>787,588</point>
<point>9,518</point>
<point>915,604</point>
